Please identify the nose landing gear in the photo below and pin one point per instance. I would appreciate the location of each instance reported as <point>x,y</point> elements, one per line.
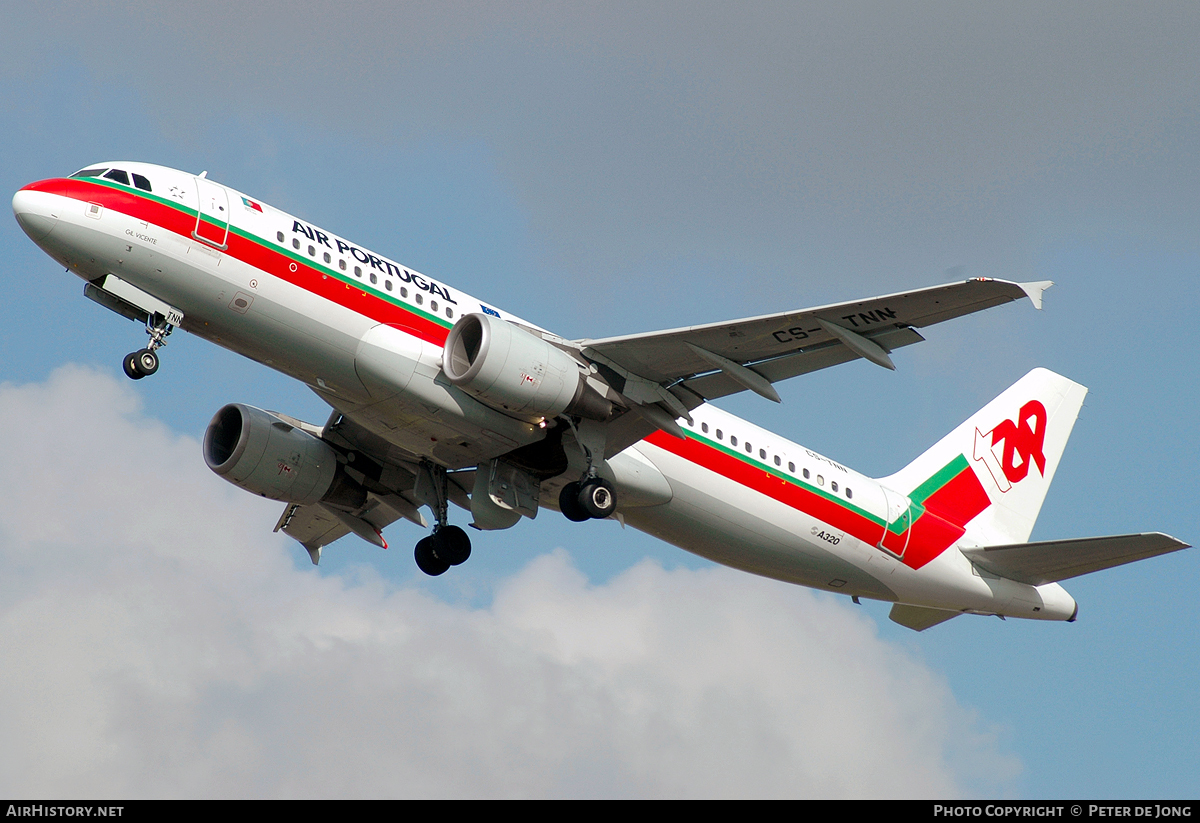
<point>144,362</point>
<point>139,364</point>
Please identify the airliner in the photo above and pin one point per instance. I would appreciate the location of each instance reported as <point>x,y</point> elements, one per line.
<point>438,397</point>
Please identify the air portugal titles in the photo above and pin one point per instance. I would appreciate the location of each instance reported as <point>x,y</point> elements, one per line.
<point>384,267</point>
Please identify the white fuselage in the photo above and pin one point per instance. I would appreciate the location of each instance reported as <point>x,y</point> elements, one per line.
<point>366,334</point>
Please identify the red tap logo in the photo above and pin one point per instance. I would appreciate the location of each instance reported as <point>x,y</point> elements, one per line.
<point>1023,441</point>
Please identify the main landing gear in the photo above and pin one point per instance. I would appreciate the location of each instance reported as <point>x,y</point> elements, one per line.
<point>144,362</point>
<point>590,498</point>
<point>448,545</point>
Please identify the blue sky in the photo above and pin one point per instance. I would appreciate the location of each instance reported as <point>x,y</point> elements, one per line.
<point>601,171</point>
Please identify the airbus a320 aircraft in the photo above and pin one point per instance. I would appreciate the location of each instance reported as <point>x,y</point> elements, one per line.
<point>441,398</point>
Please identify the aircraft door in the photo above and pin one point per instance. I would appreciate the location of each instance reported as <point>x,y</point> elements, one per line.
<point>894,539</point>
<point>212,218</point>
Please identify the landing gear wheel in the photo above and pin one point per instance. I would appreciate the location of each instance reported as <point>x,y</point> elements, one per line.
<point>427,558</point>
<point>140,364</point>
<point>597,498</point>
<point>569,505</point>
<point>129,365</point>
<point>452,545</point>
<point>147,362</point>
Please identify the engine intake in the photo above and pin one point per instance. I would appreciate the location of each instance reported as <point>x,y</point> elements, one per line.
<point>264,454</point>
<point>516,372</point>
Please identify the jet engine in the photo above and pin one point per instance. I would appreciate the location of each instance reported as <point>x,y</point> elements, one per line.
<point>265,454</point>
<point>516,372</point>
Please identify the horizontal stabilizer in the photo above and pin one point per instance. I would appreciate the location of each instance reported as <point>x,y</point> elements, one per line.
<point>1055,560</point>
<point>919,618</point>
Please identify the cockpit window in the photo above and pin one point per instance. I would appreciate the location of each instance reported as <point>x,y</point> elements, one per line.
<point>119,176</point>
<point>141,182</point>
<point>90,172</point>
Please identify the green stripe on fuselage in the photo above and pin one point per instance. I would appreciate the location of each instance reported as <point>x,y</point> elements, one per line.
<point>271,246</point>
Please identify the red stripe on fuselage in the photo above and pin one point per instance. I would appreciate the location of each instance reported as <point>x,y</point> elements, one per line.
<point>927,538</point>
<point>252,252</point>
<point>960,500</point>
<point>933,532</point>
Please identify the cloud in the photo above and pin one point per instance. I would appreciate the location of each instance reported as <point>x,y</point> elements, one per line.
<point>157,641</point>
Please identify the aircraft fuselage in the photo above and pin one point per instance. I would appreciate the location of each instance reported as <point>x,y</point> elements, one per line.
<point>367,334</point>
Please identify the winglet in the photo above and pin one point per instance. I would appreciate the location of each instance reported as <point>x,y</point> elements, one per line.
<point>1034,291</point>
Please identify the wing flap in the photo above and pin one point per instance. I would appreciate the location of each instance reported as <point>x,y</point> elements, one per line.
<point>312,526</point>
<point>1054,560</point>
<point>813,358</point>
<point>666,356</point>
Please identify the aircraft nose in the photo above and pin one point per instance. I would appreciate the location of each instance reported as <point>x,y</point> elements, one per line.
<point>36,213</point>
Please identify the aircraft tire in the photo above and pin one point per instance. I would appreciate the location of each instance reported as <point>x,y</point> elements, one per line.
<point>427,559</point>
<point>146,362</point>
<point>598,498</point>
<point>129,365</point>
<point>569,505</point>
<point>452,545</point>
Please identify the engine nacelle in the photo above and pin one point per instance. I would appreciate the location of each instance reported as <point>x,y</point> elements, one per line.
<point>516,372</point>
<point>264,454</point>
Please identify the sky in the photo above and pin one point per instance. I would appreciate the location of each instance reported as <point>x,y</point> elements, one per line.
<point>601,169</point>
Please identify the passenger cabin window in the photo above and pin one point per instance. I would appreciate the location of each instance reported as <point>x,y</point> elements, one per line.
<point>733,439</point>
<point>119,176</point>
<point>279,236</point>
<point>141,182</point>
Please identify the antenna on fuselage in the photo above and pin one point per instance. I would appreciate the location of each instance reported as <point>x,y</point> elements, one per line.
<point>203,173</point>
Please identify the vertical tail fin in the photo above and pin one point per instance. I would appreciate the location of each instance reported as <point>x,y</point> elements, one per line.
<point>990,475</point>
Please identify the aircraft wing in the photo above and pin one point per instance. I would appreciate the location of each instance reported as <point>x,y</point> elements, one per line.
<point>390,477</point>
<point>317,526</point>
<point>1055,560</point>
<point>775,347</point>
<point>679,369</point>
